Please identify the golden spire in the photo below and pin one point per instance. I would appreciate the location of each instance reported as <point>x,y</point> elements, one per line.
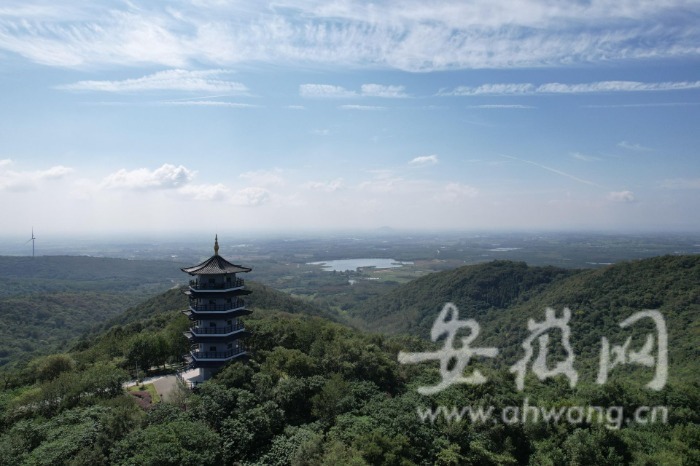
<point>216,245</point>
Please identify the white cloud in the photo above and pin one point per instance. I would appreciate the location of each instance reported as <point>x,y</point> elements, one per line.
<point>168,80</point>
<point>206,192</point>
<point>405,35</point>
<point>616,86</point>
<point>366,90</point>
<point>251,196</point>
<point>424,160</point>
<point>584,157</point>
<point>378,90</point>
<point>166,177</point>
<point>264,177</point>
<point>28,180</point>
<point>206,103</point>
<point>621,196</point>
<point>383,182</point>
<point>361,107</point>
<point>633,146</point>
<point>491,89</point>
<point>502,106</point>
<point>326,186</point>
<point>560,88</point>
<point>452,192</point>
<point>325,91</point>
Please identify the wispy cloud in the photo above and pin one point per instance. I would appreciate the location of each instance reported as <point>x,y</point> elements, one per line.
<point>502,106</point>
<point>326,186</point>
<point>650,104</point>
<point>401,35</point>
<point>452,192</point>
<point>379,90</point>
<point>491,89</point>
<point>331,91</point>
<point>681,183</point>
<point>251,196</point>
<point>264,177</point>
<point>553,170</point>
<point>633,146</point>
<point>206,192</point>
<point>560,88</point>
<point>424,160</point>
<point>361,107</point>
<point>168,80</point>
<point>621,196</point>
<point>325,91</point>
<point>205,103</point>
<point>584,157</point>
<point>15,180</point>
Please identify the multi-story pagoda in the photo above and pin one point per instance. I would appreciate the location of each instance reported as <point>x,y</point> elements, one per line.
<point>215,309</point>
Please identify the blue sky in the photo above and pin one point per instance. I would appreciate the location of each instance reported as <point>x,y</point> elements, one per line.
<point>148,116</point>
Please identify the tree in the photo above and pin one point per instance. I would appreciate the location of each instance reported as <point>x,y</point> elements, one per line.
<point>50,367</point>
<point>180,442</point>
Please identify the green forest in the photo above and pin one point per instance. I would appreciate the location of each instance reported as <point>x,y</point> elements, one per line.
<point>318,391</point>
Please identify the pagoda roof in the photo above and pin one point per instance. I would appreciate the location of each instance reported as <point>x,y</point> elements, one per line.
<point>215,265</point>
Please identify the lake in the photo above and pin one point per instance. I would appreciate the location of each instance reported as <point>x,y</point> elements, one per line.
<point>342,265</point>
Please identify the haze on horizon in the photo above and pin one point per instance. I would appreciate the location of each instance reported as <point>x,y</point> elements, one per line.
<point>216,115</point>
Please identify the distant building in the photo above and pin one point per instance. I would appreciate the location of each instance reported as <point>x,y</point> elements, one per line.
<point>215,308</point>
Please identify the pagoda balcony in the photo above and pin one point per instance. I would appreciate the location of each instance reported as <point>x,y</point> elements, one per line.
<point>217,355</point>
<point>234,304</point>
<point>195,330</point>
<point>214,334</point>
<point>230,285</point>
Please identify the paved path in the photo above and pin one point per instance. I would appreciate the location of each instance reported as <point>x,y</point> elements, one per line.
<point>165,386</point>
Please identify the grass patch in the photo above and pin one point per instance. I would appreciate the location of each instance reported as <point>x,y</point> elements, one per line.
<point>150,388</point>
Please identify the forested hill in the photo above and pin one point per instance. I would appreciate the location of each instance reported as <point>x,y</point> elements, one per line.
<point>316,392</point>
<point>46,301</point>
<point>476,289</point>
<point>501,296</point>
<point>262,298</point>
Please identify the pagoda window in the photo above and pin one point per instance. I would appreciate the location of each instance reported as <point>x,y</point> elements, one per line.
<point>212,324</point>
<point>212,348</point>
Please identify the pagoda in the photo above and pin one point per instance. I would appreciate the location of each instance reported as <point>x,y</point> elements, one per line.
<point>215,308</point>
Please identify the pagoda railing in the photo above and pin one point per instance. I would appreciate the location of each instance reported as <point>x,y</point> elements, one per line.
<point>218,354</point>
<point>217,330</point>
<point>235,283</point>
<point>234,304</point>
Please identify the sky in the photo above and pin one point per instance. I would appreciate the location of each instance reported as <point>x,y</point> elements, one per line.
<point>237,116</point>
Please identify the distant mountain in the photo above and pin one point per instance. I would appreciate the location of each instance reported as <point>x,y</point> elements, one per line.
<point>501,296</point>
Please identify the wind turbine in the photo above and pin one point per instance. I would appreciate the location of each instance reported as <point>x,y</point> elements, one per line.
<point>32,240</point>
